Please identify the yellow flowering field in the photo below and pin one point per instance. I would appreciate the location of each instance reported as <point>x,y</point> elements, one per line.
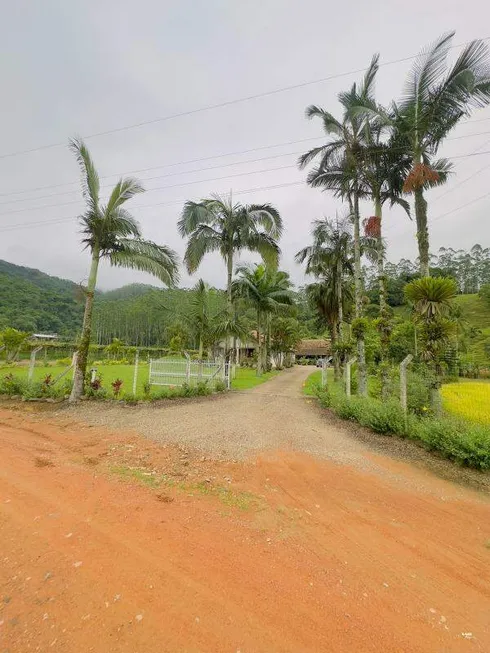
<point>470,400</point>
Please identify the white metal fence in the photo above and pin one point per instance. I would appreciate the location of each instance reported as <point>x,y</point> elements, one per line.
<point>167,371</point>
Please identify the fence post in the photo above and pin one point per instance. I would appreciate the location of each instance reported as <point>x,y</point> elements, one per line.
<point>403,381</point>
<point>187,368</point>
<point>324,372</point>
<point>347,376</point>
<point>135,376</point>
<point>32,362</point>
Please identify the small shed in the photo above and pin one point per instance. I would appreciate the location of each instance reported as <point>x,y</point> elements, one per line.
<point>313,348</point>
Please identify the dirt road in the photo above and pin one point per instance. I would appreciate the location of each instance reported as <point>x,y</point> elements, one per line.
<point>110,542</point>
<point>232,426</point>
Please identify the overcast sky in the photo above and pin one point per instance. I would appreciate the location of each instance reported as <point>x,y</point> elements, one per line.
<point>87,66</point>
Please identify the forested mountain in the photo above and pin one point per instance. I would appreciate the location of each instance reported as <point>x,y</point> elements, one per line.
<point>33,301</point>
<point>145,315</point>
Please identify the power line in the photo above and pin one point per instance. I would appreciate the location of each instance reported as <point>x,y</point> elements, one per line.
<point>170,174</point>
<point>220,105</point>
<point>463,181</point>
<point>170,165</point>
<point>41,223</point>
<point>189,183</point>
<point>159,188</point>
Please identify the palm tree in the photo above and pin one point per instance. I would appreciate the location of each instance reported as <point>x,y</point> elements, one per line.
<point>110,232</point>
<point>199,316</point>
<point>432,297</point>
<point>329,258</point>
<point>339,170</point>
<point>323,296</point>
<point>434,101</point>
<point>330,255</point>
<point>218,225</point>
<point>268,291</point>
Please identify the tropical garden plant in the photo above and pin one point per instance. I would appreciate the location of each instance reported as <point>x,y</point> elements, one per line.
<point>110,232</point>
<point>269,292</point>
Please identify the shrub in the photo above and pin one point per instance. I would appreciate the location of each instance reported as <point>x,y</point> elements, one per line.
<point>63,361</point>
<point>458,440</point>
<point>12,385</point>
<point>220,386</point>
<point>116,387</point>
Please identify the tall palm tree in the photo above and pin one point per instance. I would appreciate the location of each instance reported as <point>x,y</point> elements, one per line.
<point>199,316</point>
<point>110,232</point>
<point>218,225</point>
<point>329,258</point>
<point>434,101</point>
<point>432,302</point>
<point>339,170</point>
<point>268,291</point>
<point>323,297</point>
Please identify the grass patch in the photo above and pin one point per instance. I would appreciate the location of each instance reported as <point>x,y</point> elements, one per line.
<point>228,497</point>
<point>312,385</point>
<point>247,378</point>
<point>456,439</point>
<point>469,399</point>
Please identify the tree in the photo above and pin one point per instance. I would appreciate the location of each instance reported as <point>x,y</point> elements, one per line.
<point>339,171</point>
<point>285,335</point>
<point>199,317</point>
<point>434,101</point>
<point>110,232</point>
<point>12,340</point>
<point>269,292</point>
<point>218,225</point>
<point>115,348</point>
<point>329,258</point>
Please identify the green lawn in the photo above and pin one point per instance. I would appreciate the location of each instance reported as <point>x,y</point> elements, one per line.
<point>314,380</point>
<point>245,378</point>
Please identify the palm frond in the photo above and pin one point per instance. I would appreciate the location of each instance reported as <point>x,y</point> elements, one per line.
<point>266,216</point>
<point>89,176</point>
<point>203,240</point>
<point>146,256</point>
<point>123,191</point>
<point>330,124</point>
<point>195,214</point>
<point>266,246</point>
<point>426,71</point>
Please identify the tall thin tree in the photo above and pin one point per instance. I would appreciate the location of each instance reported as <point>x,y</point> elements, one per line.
<point>110,232</point>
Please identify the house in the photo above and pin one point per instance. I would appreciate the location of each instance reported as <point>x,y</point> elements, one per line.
<point>318,348</point>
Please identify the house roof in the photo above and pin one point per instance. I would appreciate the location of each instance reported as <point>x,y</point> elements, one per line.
<point>317,347</point>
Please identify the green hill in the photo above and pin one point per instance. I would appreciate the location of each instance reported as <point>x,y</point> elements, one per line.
<point>33,301</point>
<point>139,314</point>
<point>477,314</point>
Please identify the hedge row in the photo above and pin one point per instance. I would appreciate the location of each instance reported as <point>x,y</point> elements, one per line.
<point>456,439</point>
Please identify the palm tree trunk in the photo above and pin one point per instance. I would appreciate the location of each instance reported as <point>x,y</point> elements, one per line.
<point>259,346</point>
<point>229,295</point>
<point>340,297</point>
<point>361,349</point>
<point>81,364</point>
<point>378,212</point>
<point>267,358</point>
<point>336,359</point>
<point>201,347</point>
<point>422,231</point>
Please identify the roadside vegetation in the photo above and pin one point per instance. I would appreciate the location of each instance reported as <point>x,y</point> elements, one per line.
<point>434,310</point>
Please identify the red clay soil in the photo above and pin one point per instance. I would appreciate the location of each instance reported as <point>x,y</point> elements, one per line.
<point>319,557</point>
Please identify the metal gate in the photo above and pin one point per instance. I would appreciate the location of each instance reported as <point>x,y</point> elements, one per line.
<point>167,371</point>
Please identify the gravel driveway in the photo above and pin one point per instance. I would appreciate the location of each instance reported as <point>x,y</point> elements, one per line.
<point>274,415</point>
